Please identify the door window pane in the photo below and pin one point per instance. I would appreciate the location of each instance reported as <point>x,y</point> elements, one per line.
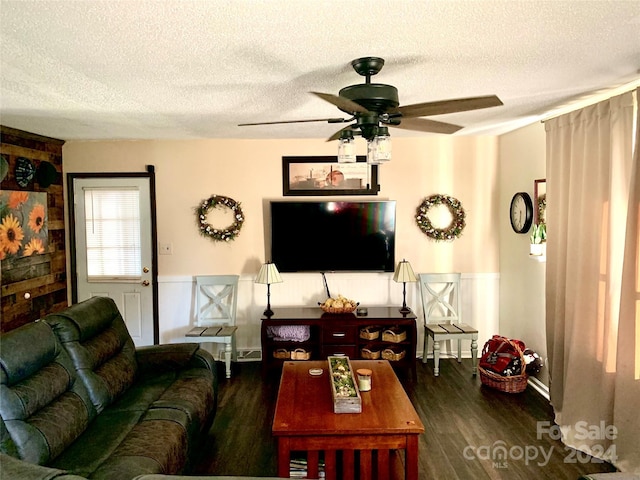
<point>113,233</point>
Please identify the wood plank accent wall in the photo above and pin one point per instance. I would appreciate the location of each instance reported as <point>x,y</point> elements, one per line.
<point>43,277</point>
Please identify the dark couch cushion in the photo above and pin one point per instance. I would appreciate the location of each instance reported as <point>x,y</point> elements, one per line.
<point>153,446</point>
<point>120,445</point>
<point>14,469</point>
<point>96,337</point>
<point>192,394</point>
<point>116,437</point>
<point>44,407</point>
<point>195,374</point>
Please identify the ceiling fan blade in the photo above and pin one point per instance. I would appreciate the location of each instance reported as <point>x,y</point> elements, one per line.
<point>449,106</point>
<point>329,120</point>
<point>342,103</point>
<point>338,134</point>
<point>426,125</point>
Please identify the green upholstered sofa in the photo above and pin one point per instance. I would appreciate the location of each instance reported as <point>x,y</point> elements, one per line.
<point>13,469</point>
<point>78,400</point>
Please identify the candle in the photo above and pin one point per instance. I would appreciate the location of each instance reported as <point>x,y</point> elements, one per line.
<point>364,379</point>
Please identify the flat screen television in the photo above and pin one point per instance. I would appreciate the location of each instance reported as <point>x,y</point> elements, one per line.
<point>328,236</point>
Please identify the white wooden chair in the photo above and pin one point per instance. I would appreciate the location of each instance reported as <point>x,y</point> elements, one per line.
<point>441,303</point>
<point>216,304</point>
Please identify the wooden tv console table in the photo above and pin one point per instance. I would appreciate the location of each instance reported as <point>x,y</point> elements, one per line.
<point>340,334</point>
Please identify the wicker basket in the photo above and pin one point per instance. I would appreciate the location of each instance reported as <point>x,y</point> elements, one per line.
<point>281,354</point>
<point>370,353</point>
<point>393,354</point>
<point>348,309</point>
<point>370,333</point>
<point>394,335</point>
<point>300,354</point>
<point>512,384</point>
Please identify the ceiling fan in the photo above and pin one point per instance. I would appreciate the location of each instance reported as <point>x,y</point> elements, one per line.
<point>374,106</point>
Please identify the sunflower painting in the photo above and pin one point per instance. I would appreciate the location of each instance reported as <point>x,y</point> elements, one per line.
<point>23,224</point>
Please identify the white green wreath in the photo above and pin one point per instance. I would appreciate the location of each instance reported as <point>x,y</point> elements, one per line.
<point>453,230</point>
<point>219,234</point>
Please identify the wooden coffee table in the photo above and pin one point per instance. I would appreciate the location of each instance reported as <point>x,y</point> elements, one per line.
<point>365,442</point>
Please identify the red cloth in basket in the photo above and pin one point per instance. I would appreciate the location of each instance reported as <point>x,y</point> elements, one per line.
<point>500,355</point>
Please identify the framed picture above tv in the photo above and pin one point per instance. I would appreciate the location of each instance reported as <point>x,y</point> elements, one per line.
<point>325,176</point>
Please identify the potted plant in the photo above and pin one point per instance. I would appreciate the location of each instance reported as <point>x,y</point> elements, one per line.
<point>538,239</point>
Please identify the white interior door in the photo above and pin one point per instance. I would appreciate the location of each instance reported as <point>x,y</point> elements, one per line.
<point>113,236</point>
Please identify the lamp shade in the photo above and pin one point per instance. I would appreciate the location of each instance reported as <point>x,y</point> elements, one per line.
<point>404,273</point>
<point>268,274</point>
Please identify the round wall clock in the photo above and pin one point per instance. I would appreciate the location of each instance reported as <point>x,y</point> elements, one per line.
<point>521,212</point>
<point>25,171</point>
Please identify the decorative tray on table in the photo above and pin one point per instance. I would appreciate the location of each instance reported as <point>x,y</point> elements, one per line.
<point>344,389</point>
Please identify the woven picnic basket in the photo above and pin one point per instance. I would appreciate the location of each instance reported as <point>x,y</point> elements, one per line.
<point>370,353</point>
<point>300,354</point>
<point>507,384</point>
<point>394,335</point>
<point>370,333</point>
<point>282,354</point>
<point>393,353</point>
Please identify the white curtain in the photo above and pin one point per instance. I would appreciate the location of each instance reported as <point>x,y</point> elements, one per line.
<point>593,284</point>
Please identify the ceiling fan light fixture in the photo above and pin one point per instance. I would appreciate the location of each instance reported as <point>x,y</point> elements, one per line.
<point>372,158</point>
<point>379,146</point>
<point>383,145</point>
<point>346,147</point>
<point>372,104</point>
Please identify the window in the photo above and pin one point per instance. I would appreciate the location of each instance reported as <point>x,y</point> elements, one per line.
<point>113,234</point>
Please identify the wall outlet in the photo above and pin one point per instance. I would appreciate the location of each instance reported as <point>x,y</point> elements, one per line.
<point>166,249</point>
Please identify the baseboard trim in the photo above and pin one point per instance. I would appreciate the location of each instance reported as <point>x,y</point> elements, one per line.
<point>539,387</point>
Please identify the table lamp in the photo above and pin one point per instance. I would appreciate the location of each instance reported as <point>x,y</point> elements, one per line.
<point>268,274</point>
<point>404,273</point>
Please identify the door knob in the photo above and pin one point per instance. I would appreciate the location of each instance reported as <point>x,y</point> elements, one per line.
<point>145,270</point>
<point>145,283</point>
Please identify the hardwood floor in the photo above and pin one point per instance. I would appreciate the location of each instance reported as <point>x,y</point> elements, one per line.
<point>466,425</point>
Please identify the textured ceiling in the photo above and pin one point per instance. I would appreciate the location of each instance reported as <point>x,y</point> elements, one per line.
<point>195,69</point>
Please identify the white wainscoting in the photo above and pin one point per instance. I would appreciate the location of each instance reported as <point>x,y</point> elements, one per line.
<point>480,301</point>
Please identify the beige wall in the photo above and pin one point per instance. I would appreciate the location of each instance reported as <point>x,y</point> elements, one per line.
<point>522,280</point>
<point>250,171</point>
